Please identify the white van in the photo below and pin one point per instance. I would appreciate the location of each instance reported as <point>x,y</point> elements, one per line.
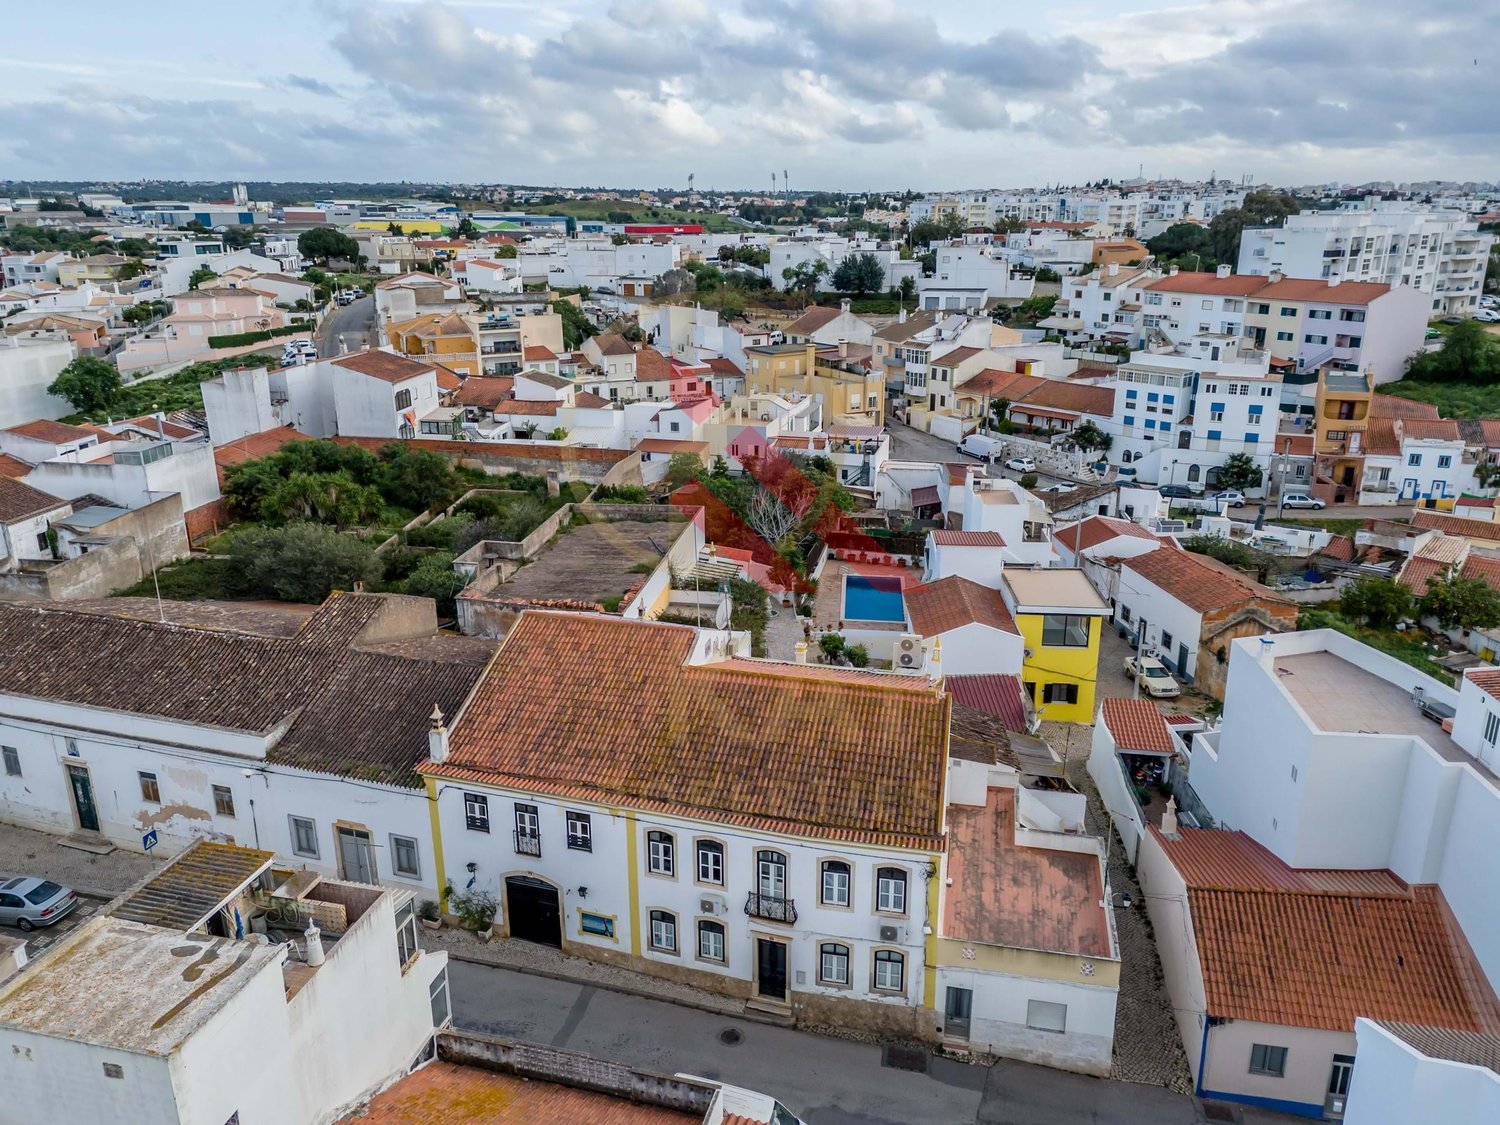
<point>978,445</point>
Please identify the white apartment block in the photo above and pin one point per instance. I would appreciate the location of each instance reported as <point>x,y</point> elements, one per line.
<point>1441,253</point>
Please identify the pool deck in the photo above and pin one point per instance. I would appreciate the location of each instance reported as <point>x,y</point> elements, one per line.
<point>828,606</point>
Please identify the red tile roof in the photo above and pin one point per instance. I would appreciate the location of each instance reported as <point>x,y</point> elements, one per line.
<point>1317,291</point>
<point>609,710</point>
<point>254,447</point>
<point>1382,438</point>
<point>967,538</point>
<point>1485,569</point>
<point>1457,525</point>
<point>589,398</point>
<point>448,379</point>
<point>538,353</point>
<point>1137,725</point>
<point>954,357</point>
<point>994,382</point>
<point>1390,406</point>
<point>1487,680</point>
<point>19,501</point>
<point>1199,582</point>
<point>1059,394</point>
<point>958,473</point>
<point>1431,429</point>
<point>651,366</point>
<point>670,445</point>
<point>13,466</point>
<point>612,344</point>
<point>171,429</point>
<point>1235,285</point>
<point>725,367</point>
<point>43,429</point>
<point>951,603</point>
<point>382,365</point>
<point>485,391</point>
<point>1090,533</point>
<point>813,317</point>
<point>1340,547</point>
<point>528,407</point>
<point>996,694</point>
<point>1417,571</point>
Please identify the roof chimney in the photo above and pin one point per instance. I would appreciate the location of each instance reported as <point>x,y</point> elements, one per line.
<point>314,938</point>
<point>1223,270</point>
<point>1333,280</point>
<point>1114,269</point>
<point>1277,275</point>
<point>843,349</point>
<point>935,661</point>
<point>845,305</point>
<point>801,652</point>
<point>437,738</point>
<point>1169,819</point>
<point>1173,272</point>
<point>901,315</point>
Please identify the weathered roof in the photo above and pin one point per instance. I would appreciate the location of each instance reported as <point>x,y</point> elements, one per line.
<point>999,695</point>
<point>1474,1048</point>
<point>485,391</point>
<point>1318,291</point>
<point>1188,281</point>
<point>185,893</point>
<point>1393,406</point>
<point>1089,533</point>
<point>610,710</point>
<point>20,501</point>
<point>905,330</point>
<point>383,365</point>
<point>613,344</point>
<point>1486,530</point>
<point>945,538</point>
<point>978,735</point>
<point>1199,582</point>
<point>951,603</point>
<point>44,429</point>
<point>813,317</point>
<point>954,357</point>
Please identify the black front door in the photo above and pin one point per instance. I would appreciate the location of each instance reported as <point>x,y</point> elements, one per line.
<point>771,978</point>
<point>534,911</point>
<point>83,798</point>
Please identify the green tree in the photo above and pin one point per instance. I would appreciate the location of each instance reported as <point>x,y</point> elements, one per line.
<point>199,276</point>
<point>435,578</point>
<point>301,562</point>
<point>1047,273</point>
<point>859,274</point>
<point>804,277</point>
<point>1379,602</point>
<point>1183,241</point>
<point>466,227</point>
<point>933,230</point>
<point>237,238</point>
<point>1218,547</point>
<point>416,480</point>
<point>1260,209</point>
<point>136,248</point>
<point>330,498</point>
<point>674,281</point>
<point>1457,602</point>
<point>1239,471</point>
<point>1088,436</point>
<point>684,468</point>
<point>575,325</point>
<point>907,290</point>
<point>1469,354</point>
<point>324,244</point>
<point>248,484</point>
<point>89,383</point>
<point>1033,309</point>
<point>131,269</point>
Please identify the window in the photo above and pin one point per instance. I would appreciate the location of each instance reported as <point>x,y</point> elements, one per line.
<point>1216,412</point>
<point>1414,459</point>
<point>1214,435</point>
<point>404,858</point>
<point>1210,388</point>
<point>403,400</point>
<point>12,761</point>
<point>1208,304</point>
<point>1065,630</point>
<point>528,830</point>
<point>1166,639</point>
<point>660,854</point>
<point>600,925</point>
<point>1129,419</point>
<point>770,871</point>
<point>1130,393</point>
<point>835,883</point>
<point>1320,314</point>
<point>711,862</point>
<point>833,963</point>
<point>407,945</point>
<point>476,812</point>
<point>1043,1015</point>
<point>1125,614</point>
<point>1060,693</point>
<point>150,790</point>
<point>1266,392</point>
<point>663,931</point>
<point>1251,439</point>
<point>1270,1061</point>
<point>890,890</point>
<point>580,832</point>
<point>890,970</point>
<point>1444,461</point>
<point>304,837</point>
<point>1337,435</point>
<point>1287,310</point>
<point>1491,728</point>
<point>711,941</point>
<point>437,994</point>
<point>223,800</point>
<point>41,541</point>
<point>1314,339</point>
<point>114,1070</point>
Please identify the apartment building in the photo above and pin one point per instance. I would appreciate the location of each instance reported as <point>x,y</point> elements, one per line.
<point>1356,326</point>
<point>1442,254</point>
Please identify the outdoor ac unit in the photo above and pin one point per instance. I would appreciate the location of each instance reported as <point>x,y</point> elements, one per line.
<point>895,934</point>
<point>1027,653</point>
<point>712,904</point>
<point>907,651</point>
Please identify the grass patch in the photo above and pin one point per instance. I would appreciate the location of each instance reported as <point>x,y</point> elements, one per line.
<point>1405,647</point>
<point>1453,400</point>
<point>189,580</point>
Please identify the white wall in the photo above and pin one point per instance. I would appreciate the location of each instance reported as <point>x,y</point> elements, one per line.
<point>998,1022</point>
<point>190,471</point>
<point>365,406</point>
<point>61,1075</point>
<point>26,371</point>
<point>1108,774</point>
<point>1394,1084</point>
<point>238,404</point>
<point>977,564</point>
<point>976,649</point>
<point>1163,613</point>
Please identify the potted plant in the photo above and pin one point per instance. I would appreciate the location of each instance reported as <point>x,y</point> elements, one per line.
<point>427,914</point>
<point>476,910</point>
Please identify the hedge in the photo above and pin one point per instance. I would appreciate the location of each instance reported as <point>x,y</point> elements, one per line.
<point>239,339</point>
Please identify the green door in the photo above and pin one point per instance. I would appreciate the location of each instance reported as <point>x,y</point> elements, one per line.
<point>83,798</point>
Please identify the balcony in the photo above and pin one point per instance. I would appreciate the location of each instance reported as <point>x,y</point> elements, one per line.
<point>528,843</point>
<point>500,349</point>
<point>771,908</point>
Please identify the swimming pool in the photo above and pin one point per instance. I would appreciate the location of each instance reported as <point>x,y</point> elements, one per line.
<point>872,599</point>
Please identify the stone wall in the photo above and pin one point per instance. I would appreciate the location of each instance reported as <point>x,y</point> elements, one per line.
<point>566,462</point>
<point>1248,619</point>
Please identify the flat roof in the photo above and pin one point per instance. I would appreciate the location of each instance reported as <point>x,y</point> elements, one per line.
<point>1053,587</point>
<point>133,987</point>
<point>592,562</point>
<point>1007,894</point>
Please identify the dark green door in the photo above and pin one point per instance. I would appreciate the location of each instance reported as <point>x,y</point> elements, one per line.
<point>83,798</point>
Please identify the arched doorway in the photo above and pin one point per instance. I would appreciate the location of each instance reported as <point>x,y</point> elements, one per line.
<point>533,911</point>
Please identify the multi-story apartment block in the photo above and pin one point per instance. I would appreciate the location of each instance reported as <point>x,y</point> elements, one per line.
<point>1358,326</point>
<point>1440,253</point>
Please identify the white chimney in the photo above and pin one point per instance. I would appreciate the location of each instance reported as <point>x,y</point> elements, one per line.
<point>314,938</point>
<point>1277,275</point>
<point>1223,270</point>
<point>935,661</point>
<point>801,652</point>
<point>437,738</point>
<point>1169,819</point>
<point>901,315</point>
<point>845,305</point>
<point>1114,269</point>
<point>843,349</point>
<point>1173,272</point>
<point>1333,280</point>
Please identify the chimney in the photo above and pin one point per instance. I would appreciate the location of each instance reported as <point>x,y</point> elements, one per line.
<point>801,652</point>
<point>1169,819</point>
<point>1333,280</point>
<point>845,305</point>
<point>314,938</point>
<point>901,315</point>
<point>437,738</point>
<point>1114,269</point>
<point>1173,272</point>
<point>844,347</point>
<point>935,661</point>
<point>1277,275</point>
<point>1223,270</point>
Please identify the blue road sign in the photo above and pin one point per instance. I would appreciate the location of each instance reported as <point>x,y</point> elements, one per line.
<point>148,841</point>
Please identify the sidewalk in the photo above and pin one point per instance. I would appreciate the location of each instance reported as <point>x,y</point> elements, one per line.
<point>28,852</point>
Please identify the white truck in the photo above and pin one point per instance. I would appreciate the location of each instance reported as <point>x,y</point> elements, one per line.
<point>982,446</point>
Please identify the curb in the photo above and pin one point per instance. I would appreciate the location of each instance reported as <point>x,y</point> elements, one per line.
<point>624,990</point>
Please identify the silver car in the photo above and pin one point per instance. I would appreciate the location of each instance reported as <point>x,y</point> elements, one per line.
<point>28,903</point>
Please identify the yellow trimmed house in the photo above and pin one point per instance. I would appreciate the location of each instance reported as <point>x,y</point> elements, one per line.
<point>1061,617</point>
<point>445,338</point>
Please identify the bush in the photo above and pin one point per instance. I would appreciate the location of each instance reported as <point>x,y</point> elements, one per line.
<point>1225,550</point>
<point>858,655</point>
<point>621,494</point>
<point>435,578</point>
<point>240,339</point>
<point>1028,480</point>
<point>301,562</point>
<point>832,645</point>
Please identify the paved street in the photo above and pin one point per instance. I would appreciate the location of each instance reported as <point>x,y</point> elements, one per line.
<point>355,322</point>
<point>910,444</point>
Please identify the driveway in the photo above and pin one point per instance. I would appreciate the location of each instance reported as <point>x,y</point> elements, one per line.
<point>354,322</point>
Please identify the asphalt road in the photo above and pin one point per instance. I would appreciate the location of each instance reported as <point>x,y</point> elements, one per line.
<point>354,322</point>
<point>824,1081</point>
<point>910,444</point>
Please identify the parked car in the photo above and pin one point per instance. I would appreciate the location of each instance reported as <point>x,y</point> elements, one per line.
<point>1021,465</point>
<point>27,903</point>
<point>1487,316</point>
<point>1300,500</point>
<point>1176,491</point>
<point>1152,675</point>
<point>978,445</point>
<point>1231,496</point>
<point>1125,472</point>
<point>1450,320</point>
<point>1058,488</point>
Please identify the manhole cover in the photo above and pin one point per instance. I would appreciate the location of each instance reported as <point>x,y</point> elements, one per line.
<point>904,1058</point>
<point>731,1036</point>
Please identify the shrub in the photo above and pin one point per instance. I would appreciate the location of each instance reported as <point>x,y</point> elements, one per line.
<point>1028,480</point>
<point>240,339</point>
<point>301,562</point>
<point>435,578</point>
<point>858,655</point>
<point>832,645</point>
<point>476,909</point>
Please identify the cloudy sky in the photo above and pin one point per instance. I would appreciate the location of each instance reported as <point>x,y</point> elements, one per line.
<point>846,94</point>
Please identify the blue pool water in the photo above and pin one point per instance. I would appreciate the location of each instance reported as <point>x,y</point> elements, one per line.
<point>872,599</point>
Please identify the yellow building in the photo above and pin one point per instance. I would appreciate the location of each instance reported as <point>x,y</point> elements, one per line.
<point>1343,415</point>
<point>406,226</point>
<point>445,338</point>
<point>843,378</point>
<point>1061,617</point>
<point>96,267</point>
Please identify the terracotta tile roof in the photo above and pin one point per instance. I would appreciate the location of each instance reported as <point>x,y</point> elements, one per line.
<point>1137,725</point>
<point>382,365</point>
<point>19,501</point>
<point>612,344</point>
<point>957,473</point>
<point>255,446</point>
<point>1090,533</point>
<point>1430,429</point>
<point>955,357</point>
<point>485,391</point>
<point>445,1093</point>
<point>1235,285</point>
<point>727,367</point>
<point>520,407</point>
<point>977,735</point>
<point>813,317</point>
<point>651,366</point>
<point>1340,547</point>
<point>1486,680</point>
<point>997,383</point>
<point>1382,437</point>
<point>1317,291</point>
<point>538,353</point>
<point>997,694</point>
<point>1457,525</point>
<point>1473,1048</point>
<point>967,538</point>
<point>165,426</point>
<point>1080,398</point>
<point>609,710</point>
<point>950,603</point>
<point>1443,548</point>
<point>44,429</point>
<point>670,445</point>
<point>898,331</point>
<point>448,379</point>
<point>14,467</point>
<point>1485,569</point>
<point>1391,406</point>
<point>1199,582</point>
<point>590,399</point>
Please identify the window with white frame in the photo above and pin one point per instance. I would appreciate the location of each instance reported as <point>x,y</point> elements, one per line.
<point>770,872</point>
<point>711,862</point>
<point>476,812</point>
<point>663,931</point>
<point>405,860</point>
<point>223,800</point>
<point>304,837</point>
<point>661,852</point>
<point>890,970</point>
<point>836,878</point>
<point>890,890</point>
<point>711,941</point>
<point>833,963</point>
<point>150,788</point>
<point>580,832</point>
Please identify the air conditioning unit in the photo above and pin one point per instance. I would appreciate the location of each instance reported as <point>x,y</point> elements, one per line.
<point>1027,653</point>
<point>713,904</point>
<point>896,934</point>
<point>907,652</point>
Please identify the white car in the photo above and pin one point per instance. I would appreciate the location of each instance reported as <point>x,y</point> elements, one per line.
<point>1058,488</point>
<point>1488,316</point>
<point>1231,496</point>
<point>1300,500</point>
<point>1021,465</point>
<point>1153,677</point>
